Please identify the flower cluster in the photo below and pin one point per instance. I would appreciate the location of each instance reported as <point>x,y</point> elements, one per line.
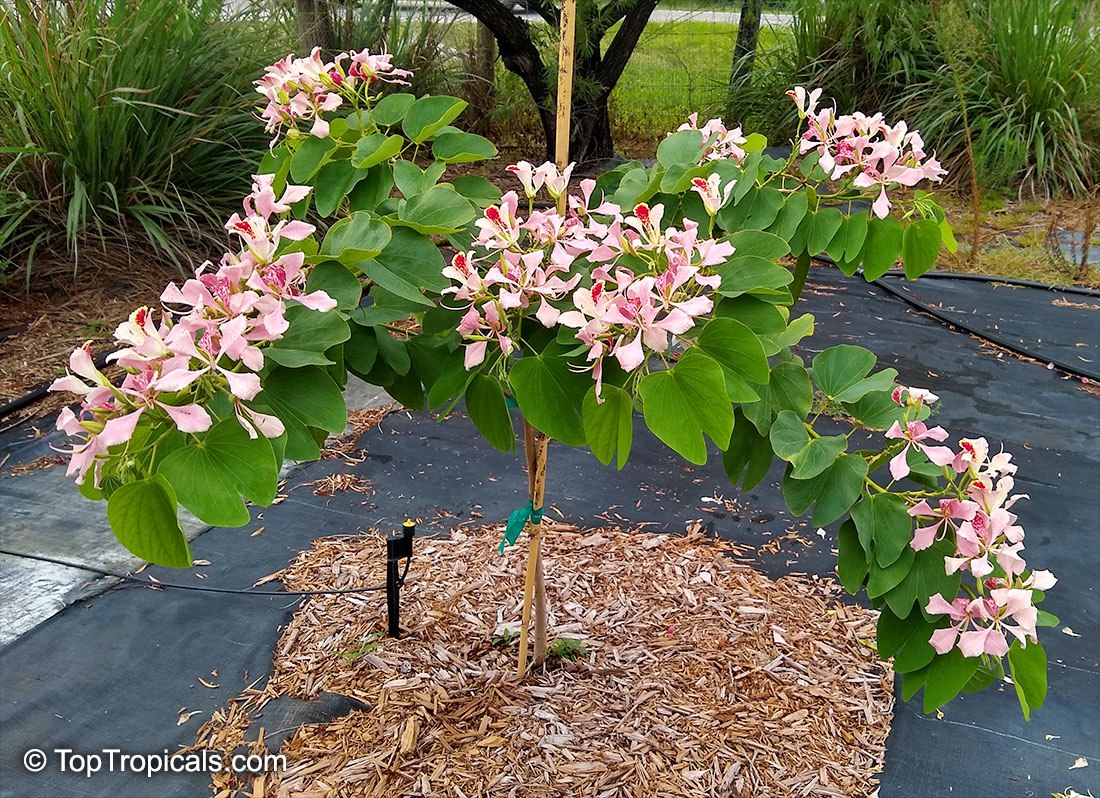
<point>975,517</point>
<point>209,343</point>
<point>648,282</point>
<point>721,143</point>
<point>877,154</point>
<point>302,89</point>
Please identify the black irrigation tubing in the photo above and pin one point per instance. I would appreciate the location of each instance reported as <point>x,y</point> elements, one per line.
<point>985,278</point>
<point>1004,343</point>
<point>196,588</point>
<point>42,390</point>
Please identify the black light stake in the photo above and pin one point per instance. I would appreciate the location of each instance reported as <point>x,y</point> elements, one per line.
<point>399,545</point>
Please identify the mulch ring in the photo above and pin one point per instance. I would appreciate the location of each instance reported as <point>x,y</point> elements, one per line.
<point>701,677</point>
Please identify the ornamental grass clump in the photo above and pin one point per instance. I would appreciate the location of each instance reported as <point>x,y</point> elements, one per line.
<point>665,290</point>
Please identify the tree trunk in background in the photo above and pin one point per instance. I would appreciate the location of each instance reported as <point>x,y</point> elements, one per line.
<point>314,25</point>
<point>482,80</point>
<point>744,51</point>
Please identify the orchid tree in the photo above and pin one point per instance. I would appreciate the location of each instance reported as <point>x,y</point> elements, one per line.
<point>664,291</point>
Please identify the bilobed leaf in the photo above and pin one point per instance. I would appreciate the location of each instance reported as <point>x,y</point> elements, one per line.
<point>428,115</point>
<point>876,410</point>
<point>947,675</point>
<point>881,581</point>
<point>735,348</point>
<point>550,395</point>
<point>926,577</point>
<point>457,146</point>
<point>763,318</point>
<point>374,189</point>
<point>789,388</point>
<point>920,247</point>
<point>409,265</point>
<point>1029,675</point>
<point>790,215</point>
<point>609,426</point>
<point>392,351</point>
<point>303,398</point>
<point>361,349</point>
<point>881,247</point>
<point>801,493</point>
<point>750,273</point>
<point>789,435</point>
<point>336,281</point>
<point>883,519</point>
<point>332,183</point>
<point>438,211</point>
<point>749,453</point>
<point>826,223</point>
<point>818,456</point>
<point>143,517</point>
<point>477,189</point>
<point>392,108</point>
<point>486,406</point>
<point>755,242</point>
<point>851,559</point>
<point>855,233</point>
<point>356,238</point>
<point>374,149</point>
<point>311,155</point>
<point>839,368</point>
<point>906,640</point>
<point>311,332</point>
<point>843,482</point>
<point>685,402</point>
<point>682,147</point>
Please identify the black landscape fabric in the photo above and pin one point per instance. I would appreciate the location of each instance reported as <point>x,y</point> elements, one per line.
<point>114,671</point>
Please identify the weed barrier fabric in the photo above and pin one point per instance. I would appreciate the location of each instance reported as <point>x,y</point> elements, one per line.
<point>116,670</point>
<point>1047,324</point>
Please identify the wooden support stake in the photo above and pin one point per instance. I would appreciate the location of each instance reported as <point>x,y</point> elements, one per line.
<point>534,588</point>
<point>534,442</point>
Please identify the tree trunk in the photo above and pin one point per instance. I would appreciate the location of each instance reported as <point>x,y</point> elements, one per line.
<point>590,133</point>
<point>314,25</point>
<point>481,89</point>
<point>744,51</point>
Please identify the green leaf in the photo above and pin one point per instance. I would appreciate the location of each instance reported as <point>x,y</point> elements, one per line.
<point>851,559</point>
<point>947,675</point>
<point>789,388</point>
<point>550,394</point>
<point>876,410</point>
<point>826,223</point>
<point>751,273</point>
<point>912,682</point>
<point>409,265</point>
<point>451,382</point>
<point>302,398</point>
<point>1029,675</point>
<point>336,281</point>
<point>925,578</point>
<point>881,248</point>
<point>818,456</point>
<point>392,108</point>
<point>374,149</point>
<point>372,190</point>
<point>882,580</point>
<point>609,426</point>
<point>682,147</point>
<point>143,517</point>
<point>361,350</point>
<point>429,115</point>
<point>685,402</point>
<point>332,183</point>
<point>800,493</point>
<point>309,335</point>
<point>749,453</point>
<point>763,318</point>
<point>487,409</point>
<point>841,486</point>
<point>920,246</point>
<point>760,244</point>
<point>393,352</point>
<point>356,238</point>
<point>883,519</point>
<point>456,146</point>
<point>311,155</point>
<point>839,368</point>
<point>790,215</point>
<point>735,348</point>
<point>409,178</point>
<point>855,233</point>
<point>438,211</point>
<point>798,329</point>
<point>210,475</point>
<point>477,189</point>
<point>906,640</point>
<point>789,435</point>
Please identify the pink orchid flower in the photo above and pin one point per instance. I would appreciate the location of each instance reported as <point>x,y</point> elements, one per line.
<point>948,511</point>
<point>914,433</point>
<point>714,196</point>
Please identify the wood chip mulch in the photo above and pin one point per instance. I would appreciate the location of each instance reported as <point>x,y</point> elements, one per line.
<point>701,678</point>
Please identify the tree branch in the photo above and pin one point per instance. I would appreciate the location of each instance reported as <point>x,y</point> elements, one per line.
<point>626,39</point>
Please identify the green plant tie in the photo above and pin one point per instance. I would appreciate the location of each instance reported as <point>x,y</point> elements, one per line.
<point>517,521</point>
<point>510,401</point>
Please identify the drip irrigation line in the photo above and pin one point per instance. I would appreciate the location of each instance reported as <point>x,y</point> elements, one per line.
<point>197,588</point>
<point>992,338</point>
<point>42,390</point>
<point>985,278</point>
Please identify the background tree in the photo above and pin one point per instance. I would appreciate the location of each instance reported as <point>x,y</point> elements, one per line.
<point>744,51</point>
<point>597,69</point>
